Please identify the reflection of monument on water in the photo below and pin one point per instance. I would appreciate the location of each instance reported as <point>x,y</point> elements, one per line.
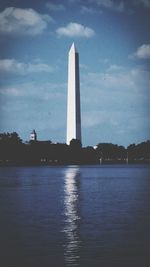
<point>72,218</point>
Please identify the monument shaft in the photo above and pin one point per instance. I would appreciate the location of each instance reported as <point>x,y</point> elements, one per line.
<point>73,104</point>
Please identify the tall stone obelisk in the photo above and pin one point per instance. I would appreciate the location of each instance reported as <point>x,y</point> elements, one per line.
<point>73,104</point>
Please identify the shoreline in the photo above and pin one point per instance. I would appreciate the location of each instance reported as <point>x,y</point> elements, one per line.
<point>57,164</point>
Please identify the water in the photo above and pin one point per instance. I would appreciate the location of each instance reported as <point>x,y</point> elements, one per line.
<point>92,216</point>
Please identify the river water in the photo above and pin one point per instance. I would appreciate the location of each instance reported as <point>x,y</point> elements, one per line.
<point>89,216</point>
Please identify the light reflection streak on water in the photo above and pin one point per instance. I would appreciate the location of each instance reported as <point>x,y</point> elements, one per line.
<point>71,228</point>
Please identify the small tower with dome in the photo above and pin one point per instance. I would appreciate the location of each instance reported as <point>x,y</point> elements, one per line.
<point>33,136</point>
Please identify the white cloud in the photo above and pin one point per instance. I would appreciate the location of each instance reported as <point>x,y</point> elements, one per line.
<point>12,91</point>
<point>15,67</point>
<point>115,89</point>
<point>110,4</point>
<point>75,30</point>
<point>122,5</point>
<point>89,10</point>
<point>73,1</point>
<point>83,66</point>
<point>41,67</point>
<point>23,21</point>
<point>145,3</point>
<point>94,118</point>
<point>55,7</point>
<point>114,67</point>
<point>143,52</point>
<point>115,104</point>
<point>120,81</point>
<point>26,104</point>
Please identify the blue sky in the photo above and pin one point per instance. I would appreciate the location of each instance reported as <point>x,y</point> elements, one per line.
<point>113,41</point>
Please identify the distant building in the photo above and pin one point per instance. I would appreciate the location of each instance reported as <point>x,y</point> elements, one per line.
<point>33,136</point>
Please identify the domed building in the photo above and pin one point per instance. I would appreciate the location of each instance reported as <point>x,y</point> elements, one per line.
<point>33,136</point>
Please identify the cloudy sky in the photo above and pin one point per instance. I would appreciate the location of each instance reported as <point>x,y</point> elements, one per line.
<point>113,41</point>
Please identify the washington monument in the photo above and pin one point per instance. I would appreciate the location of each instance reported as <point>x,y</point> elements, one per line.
<point>73,101</point>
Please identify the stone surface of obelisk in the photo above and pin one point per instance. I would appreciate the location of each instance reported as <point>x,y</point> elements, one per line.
<point>73,101</point>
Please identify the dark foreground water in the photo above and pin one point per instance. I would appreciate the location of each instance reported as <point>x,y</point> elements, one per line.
<point>75,216</point>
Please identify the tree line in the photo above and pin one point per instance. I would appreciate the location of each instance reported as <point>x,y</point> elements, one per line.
<point>15,152</point>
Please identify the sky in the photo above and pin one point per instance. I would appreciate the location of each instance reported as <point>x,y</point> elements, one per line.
<point>113,41</point>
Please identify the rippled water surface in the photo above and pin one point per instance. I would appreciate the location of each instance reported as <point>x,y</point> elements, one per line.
<point>75,216</point>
